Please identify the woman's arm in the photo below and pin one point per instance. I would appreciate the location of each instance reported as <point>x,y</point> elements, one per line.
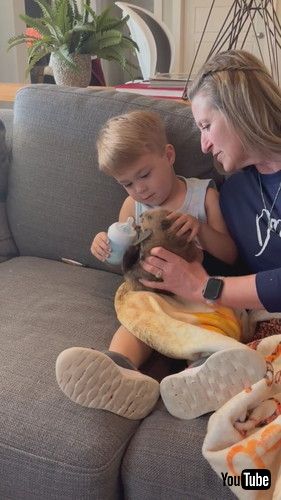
<point>213,235</point>
<point>189,279</point>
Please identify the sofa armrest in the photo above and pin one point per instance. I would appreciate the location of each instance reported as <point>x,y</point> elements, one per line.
<point>7,117</point>
<point>7,245</point>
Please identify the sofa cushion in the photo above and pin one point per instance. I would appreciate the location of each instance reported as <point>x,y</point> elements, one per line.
<point>7,245</point>
<point>164,460</point>
<point>57,199</point>
<point>69,451</point>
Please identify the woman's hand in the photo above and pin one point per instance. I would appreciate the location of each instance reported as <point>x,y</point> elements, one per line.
<point>186,279</point>
<point>100,247</point>
<point>184,225</point>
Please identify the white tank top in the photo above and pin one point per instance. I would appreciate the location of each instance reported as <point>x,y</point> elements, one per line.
<point>194,202</point>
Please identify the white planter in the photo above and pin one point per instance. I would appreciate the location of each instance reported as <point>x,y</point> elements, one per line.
<point>65,75</point>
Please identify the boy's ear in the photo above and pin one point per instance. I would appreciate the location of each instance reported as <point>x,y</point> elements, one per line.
<point>170,153</point>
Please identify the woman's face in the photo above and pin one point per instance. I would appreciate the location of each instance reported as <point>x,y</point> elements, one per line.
<point>217,135</point>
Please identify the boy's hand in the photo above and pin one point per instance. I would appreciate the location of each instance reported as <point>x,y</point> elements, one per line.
<point>100,247</point>
<point>184,224</point>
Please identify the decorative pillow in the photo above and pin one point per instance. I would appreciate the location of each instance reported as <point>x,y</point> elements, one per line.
<point>8,248</point>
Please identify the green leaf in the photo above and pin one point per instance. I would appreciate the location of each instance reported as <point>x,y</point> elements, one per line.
<point>110,38</point>
<point>109,42</point>
<point>128,43</point>
<point>65,56</point>
<point>93,14</point>
<point>35,58</point>
<point>45,8</point>
<point>84,28</point>
<point>34,22</point>
<point>62,18</point>
<point>75,10</point>
<point>66,28</point>
<point>36,48</point>
<point>102,19</point>
<point>16,40</point>
<point>113,22</point>
<point>86,12</point>
<point>112,53</point>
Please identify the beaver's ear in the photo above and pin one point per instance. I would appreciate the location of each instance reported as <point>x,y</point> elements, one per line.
<point>130,258</point>
<point>166,224</point>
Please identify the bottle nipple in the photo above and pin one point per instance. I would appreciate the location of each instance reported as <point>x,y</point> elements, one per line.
<point>130,221</point>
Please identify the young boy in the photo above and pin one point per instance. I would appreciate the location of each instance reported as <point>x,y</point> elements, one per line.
<point>133,148</point>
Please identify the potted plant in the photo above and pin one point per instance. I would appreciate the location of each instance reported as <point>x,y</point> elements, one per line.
<point>72,35</point>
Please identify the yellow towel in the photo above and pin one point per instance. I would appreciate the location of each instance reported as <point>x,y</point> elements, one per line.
<point>174,327</point>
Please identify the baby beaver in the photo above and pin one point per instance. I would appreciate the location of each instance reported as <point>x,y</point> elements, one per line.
<point>153,232</point>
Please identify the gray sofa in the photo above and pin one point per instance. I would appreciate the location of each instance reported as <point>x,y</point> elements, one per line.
<point>53,200</point>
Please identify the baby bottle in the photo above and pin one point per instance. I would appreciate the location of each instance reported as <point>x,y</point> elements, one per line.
<point>121,235</point>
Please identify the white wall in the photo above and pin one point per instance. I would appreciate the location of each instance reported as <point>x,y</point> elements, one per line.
<point>179,17</point>
<point>12,63</point>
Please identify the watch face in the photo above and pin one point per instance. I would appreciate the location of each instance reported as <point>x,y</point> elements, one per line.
<point>213,289</point>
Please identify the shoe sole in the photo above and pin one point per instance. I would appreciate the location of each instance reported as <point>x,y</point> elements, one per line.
<point>92,379</point>
<point>196,391</point>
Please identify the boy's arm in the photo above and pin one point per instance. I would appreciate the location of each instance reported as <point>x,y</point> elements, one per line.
<point>100,246</point>
<point>127,209</point>
<point>213,235</point>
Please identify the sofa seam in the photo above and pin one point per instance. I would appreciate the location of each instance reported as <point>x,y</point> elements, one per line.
<point>64,465</point>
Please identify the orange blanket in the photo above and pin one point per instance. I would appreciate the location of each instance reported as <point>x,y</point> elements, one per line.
<point>174,327</point>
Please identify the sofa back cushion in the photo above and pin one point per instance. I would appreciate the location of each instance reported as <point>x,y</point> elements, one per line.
<point>58,200</point>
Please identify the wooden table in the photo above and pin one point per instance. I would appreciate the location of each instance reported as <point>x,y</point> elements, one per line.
<point>8,91</point>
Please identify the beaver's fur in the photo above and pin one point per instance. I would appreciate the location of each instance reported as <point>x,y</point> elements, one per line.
<point>155,222</point>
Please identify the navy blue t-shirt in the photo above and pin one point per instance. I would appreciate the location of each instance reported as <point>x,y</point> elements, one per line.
<point>256,229</point>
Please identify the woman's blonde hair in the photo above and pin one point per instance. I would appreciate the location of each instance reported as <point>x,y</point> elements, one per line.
<point>240,86</point>
<point>125,138</point>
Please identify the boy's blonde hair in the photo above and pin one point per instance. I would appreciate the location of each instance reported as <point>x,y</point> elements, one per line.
<point>240,86</point>
<point>125,138</point>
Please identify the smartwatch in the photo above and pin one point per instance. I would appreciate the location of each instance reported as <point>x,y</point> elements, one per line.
<point>213,289</point>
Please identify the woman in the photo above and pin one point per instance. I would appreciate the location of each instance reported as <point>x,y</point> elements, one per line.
<point>237,107</point>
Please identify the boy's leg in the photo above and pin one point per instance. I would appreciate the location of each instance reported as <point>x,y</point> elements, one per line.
<point>126,344</point>
<point>109,380</point>
<point>205,388</point>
